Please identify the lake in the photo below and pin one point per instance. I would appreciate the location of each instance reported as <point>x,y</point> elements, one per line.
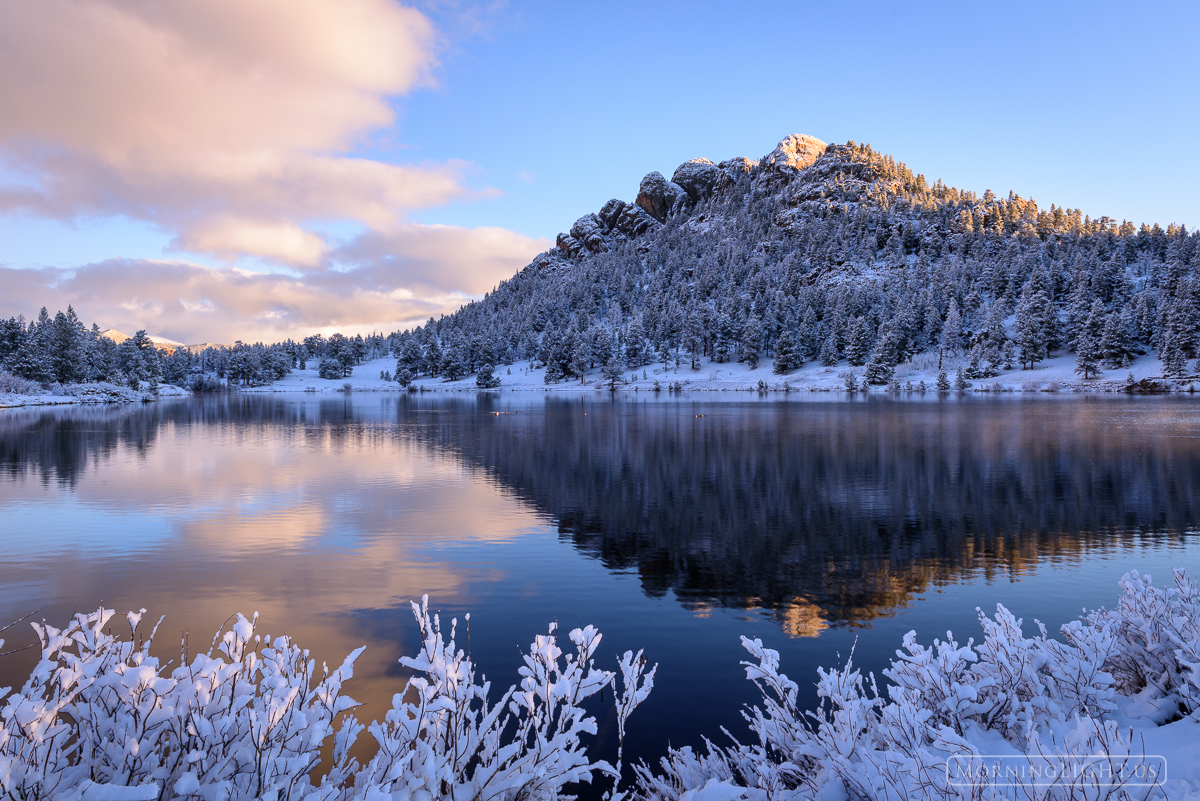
<point>672,523</point>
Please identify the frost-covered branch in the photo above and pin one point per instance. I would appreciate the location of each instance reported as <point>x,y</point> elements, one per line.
<point>1089,696</point>
<point>100,718</point>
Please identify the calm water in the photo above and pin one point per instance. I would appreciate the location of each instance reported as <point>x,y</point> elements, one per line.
<point>673,524</point>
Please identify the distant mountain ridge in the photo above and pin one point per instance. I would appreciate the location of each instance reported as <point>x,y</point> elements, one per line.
<point>163,343</point>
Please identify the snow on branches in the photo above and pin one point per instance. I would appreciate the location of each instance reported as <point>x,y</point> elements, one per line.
<point>1093,692</point>
<point>100,718</point>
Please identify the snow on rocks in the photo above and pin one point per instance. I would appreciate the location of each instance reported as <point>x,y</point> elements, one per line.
<point>697,177</point>
<point>589,230</point>
<point>662,198</point>
<point>735,172</point>
<point>793,153</point>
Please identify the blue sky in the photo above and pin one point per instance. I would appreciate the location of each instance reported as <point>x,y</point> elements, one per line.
<point>1076,104</point>
<point>362,165</point>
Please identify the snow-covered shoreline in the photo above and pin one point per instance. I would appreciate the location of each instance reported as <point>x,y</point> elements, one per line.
<point>89,394</point>
<point>1056,374</point>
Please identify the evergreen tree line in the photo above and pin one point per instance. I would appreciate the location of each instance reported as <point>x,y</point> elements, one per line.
<point>62,350</point>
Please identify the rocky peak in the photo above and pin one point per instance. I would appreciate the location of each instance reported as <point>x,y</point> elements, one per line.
<point>793,154</point>
<point>692,183</point>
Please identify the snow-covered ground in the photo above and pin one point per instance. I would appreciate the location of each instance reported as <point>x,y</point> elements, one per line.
<point>1053,375</point>
<point>90,393</point>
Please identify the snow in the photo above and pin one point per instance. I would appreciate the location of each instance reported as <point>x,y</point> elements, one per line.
<point>249,718</point>
<point>1056,374</point>
<point>90,393</point>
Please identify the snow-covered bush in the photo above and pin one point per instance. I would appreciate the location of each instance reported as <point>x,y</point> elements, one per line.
<point>100,718</point>
<point>13,384</point>
<point>1024,698</point>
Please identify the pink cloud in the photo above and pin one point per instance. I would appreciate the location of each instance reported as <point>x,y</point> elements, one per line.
<point>375,290</point>
<point>226,123</point>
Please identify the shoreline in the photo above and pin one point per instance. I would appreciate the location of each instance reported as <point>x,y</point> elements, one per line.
<point>1055,376</point>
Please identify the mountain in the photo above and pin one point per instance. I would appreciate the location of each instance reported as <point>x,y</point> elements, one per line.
<point>832,253</point>
<point>169,345</point>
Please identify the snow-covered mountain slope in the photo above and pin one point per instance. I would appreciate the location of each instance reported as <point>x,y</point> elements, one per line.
<point>835,254</point>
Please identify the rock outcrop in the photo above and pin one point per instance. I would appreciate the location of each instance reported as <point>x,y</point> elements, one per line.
<point>694,182</point>
<point>569,245</point>
<point>635,221</point>
<point>697,177</point>
<point>793,154</point>
<point>662,198</point>
<point>589,230</point>
<point>734,172</point>
<point>611,212</point>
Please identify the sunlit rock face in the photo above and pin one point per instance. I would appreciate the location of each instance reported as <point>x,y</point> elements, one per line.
<point>793,154</point>
<point>693,184</point>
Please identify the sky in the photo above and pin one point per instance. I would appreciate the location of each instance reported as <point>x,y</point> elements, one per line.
<point>223,170</point>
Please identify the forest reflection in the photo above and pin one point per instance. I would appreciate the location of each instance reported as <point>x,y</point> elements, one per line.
<point>839,512</point>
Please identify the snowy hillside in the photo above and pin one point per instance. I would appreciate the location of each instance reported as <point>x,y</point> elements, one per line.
<point>819,260</point>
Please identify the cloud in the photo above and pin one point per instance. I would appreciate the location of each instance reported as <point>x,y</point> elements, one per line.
<point>232,125</point>
<point>441,258</point>
<point>373,289</point>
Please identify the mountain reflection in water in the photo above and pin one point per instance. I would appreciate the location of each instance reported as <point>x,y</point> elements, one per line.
<point>838,511</point>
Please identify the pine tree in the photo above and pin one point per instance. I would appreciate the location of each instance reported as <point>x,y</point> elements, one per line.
<point>1031,327</point>
<point>881,368</point>
<point>787,357</point>
<point>943,381</point>
<point>454,368</point>
<point>829,350</point>
<point>810,334</point>
<point>724,339</point>
<point>613,372</point>
<point>486,379</point>
<point>581,355</point>
<point>856,342</point>
<point>693,334</point>
<point>749,343</point>
<point>951,340</point>
<point>1088,349</point>
<point>635,344</point>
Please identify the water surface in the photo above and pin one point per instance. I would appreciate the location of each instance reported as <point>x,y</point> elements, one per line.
<point>676,524</point>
